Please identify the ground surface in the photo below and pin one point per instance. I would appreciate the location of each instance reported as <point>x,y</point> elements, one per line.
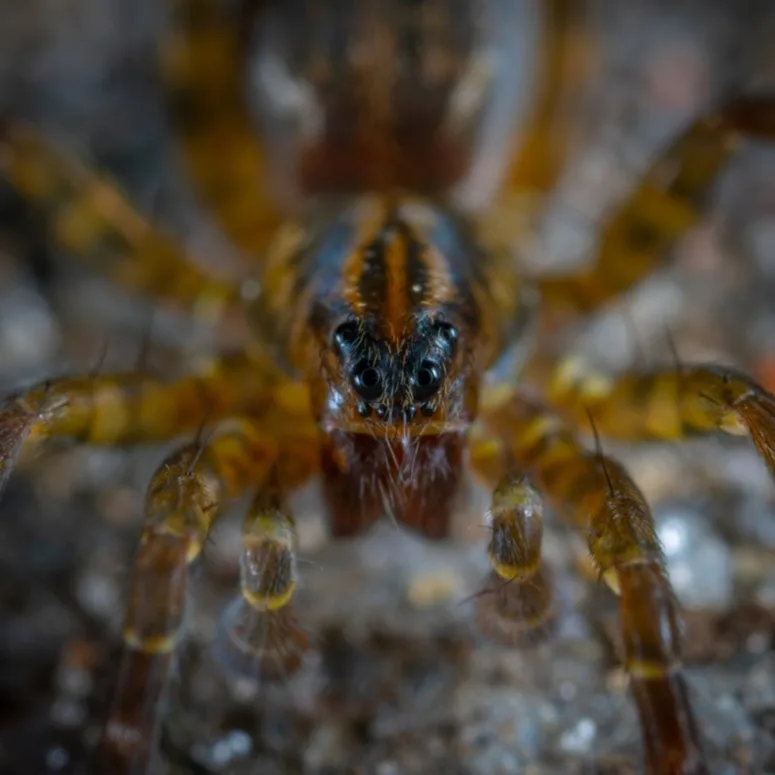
<point>403,683</point>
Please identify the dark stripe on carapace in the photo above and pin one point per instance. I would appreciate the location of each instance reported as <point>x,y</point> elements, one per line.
<point>393,285</point>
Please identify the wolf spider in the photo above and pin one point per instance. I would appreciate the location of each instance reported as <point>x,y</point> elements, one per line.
<point>384,344</point>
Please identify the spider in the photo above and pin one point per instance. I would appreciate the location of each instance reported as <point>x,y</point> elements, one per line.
<point>385,345</point>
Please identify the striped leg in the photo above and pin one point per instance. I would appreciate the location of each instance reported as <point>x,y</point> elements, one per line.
<point>669,404</point>
<point>516,607</point>
<point>203,66</point>
<point>129,408</point>
<point>89,219</point>
<point>598,497</point>
<point>260,636</point>
<point>666,203</point>
<point>181,504</point>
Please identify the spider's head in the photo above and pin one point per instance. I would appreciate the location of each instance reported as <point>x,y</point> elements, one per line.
<point>396,326</point>
<point>416,382</point>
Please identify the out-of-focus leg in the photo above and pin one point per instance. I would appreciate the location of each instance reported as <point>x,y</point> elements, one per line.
<point>664,205</point>
<point>88,218</point>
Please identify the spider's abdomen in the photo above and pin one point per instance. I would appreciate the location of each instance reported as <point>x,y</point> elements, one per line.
<point>372,95</point>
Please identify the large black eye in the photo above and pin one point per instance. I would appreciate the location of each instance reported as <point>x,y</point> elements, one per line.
<point>367,381</point>
<point>427,380</point>
<point>346,335</point>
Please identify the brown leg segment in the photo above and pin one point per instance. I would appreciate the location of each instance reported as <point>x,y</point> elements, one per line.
<point>89,218</point>
<point>181,504</point>
<point>203,63</point>
<point>666,203</point>
<point>516,607</point>
<point>669,404</point>
<point>596,494</point>
<point>117,409</point>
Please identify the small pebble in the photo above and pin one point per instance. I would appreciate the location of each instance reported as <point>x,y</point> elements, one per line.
<point>579,738</point>
<point>699,563</point>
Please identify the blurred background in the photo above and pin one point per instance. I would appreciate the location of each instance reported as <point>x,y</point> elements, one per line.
<point>402,682</point>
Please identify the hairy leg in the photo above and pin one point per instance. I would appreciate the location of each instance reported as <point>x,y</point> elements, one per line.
<point>668,404</point>
<point>260,636</point>
<point>515,608</point>
<point>181,504</point>
<point>88,218</point>
<point>130,408</point>
<point>597,496</point>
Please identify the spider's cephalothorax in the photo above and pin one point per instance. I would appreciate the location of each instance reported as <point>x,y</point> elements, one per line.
<point>387,329</point>
<point>395,313</point>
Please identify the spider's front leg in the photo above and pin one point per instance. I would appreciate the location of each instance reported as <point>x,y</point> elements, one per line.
<point>598,497</point>
<point>133,408</point>
<point>127,408</point>
<point>668,404</point>
<point>181,503</point>
<point>515,608</point>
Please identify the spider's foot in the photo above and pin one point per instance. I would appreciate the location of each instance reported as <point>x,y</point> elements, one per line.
<point>260,645</point>
<point>16,423</point>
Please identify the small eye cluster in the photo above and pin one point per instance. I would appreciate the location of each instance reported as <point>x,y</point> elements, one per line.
<point>372,370</point>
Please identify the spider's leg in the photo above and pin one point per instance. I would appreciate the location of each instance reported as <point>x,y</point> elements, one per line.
<point>563,53</point>
<point>181,503</point>
<point>89,218</point>
<point>516,606</point>
<point>130,408</point>
<point>667,202</point>
<point>203,62</point>
<point>597,496</point>
<point>668,404</point>
<point>260,637</point>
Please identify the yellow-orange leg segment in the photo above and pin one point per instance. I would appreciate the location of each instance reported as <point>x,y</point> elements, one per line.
<point>260,637</point>
<point>515,608</point>
<point>669,404</point>
<point>89,219</point>
<point>203,62</point>
<point>597,495</point>
<point>182,501</point>
<point>666,203</point>
<point>117,409</point>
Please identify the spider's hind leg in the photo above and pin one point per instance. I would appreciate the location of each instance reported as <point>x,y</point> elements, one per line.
<point>203,62</point>
<point>86,216</point>
<point>664,205</point>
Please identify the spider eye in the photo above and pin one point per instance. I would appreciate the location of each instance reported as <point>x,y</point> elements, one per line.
<point>448,333</point>
<point>367,381</point>
<point>427,380</point>
<point>345,335</point>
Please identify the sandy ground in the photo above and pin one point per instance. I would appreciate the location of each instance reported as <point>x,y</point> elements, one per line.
<point>402,682</point>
